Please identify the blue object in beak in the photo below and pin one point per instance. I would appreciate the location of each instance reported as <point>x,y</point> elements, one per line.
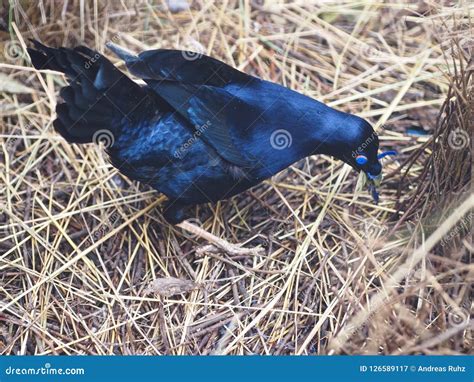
<point>375,194</point>
<point>372,177</point>
<point>377,179</point>
<point>385,153</point>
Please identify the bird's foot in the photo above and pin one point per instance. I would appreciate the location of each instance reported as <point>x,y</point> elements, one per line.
<point>218,244</point>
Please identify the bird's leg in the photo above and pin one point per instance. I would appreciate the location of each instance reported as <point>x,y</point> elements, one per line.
<point>217,242</point>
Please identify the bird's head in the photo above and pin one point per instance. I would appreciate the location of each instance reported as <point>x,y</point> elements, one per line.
<point>365,156</point>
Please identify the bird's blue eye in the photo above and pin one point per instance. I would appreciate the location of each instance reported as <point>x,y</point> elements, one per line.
<point>361,159</point>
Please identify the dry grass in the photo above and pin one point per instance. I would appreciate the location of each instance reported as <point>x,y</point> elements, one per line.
<point>80,245</point>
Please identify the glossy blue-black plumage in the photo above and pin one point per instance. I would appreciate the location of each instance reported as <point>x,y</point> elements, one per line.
<point>199,130</point>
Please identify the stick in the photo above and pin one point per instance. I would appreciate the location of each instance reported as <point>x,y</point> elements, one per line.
<point>231,249</point>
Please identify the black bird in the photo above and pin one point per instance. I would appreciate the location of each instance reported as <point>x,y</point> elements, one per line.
<point>199,130</point>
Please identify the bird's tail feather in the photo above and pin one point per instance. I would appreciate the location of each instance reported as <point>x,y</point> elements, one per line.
<point>99,96</point>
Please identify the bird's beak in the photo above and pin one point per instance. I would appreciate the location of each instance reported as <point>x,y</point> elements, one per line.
<point>376,180</point>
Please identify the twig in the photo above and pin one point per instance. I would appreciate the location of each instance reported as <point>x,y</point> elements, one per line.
<point>217,242</point>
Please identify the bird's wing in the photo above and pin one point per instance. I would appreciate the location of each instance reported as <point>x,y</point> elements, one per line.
<point>182,66</point>
<point>194,85</point>
<point>214,113</point>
